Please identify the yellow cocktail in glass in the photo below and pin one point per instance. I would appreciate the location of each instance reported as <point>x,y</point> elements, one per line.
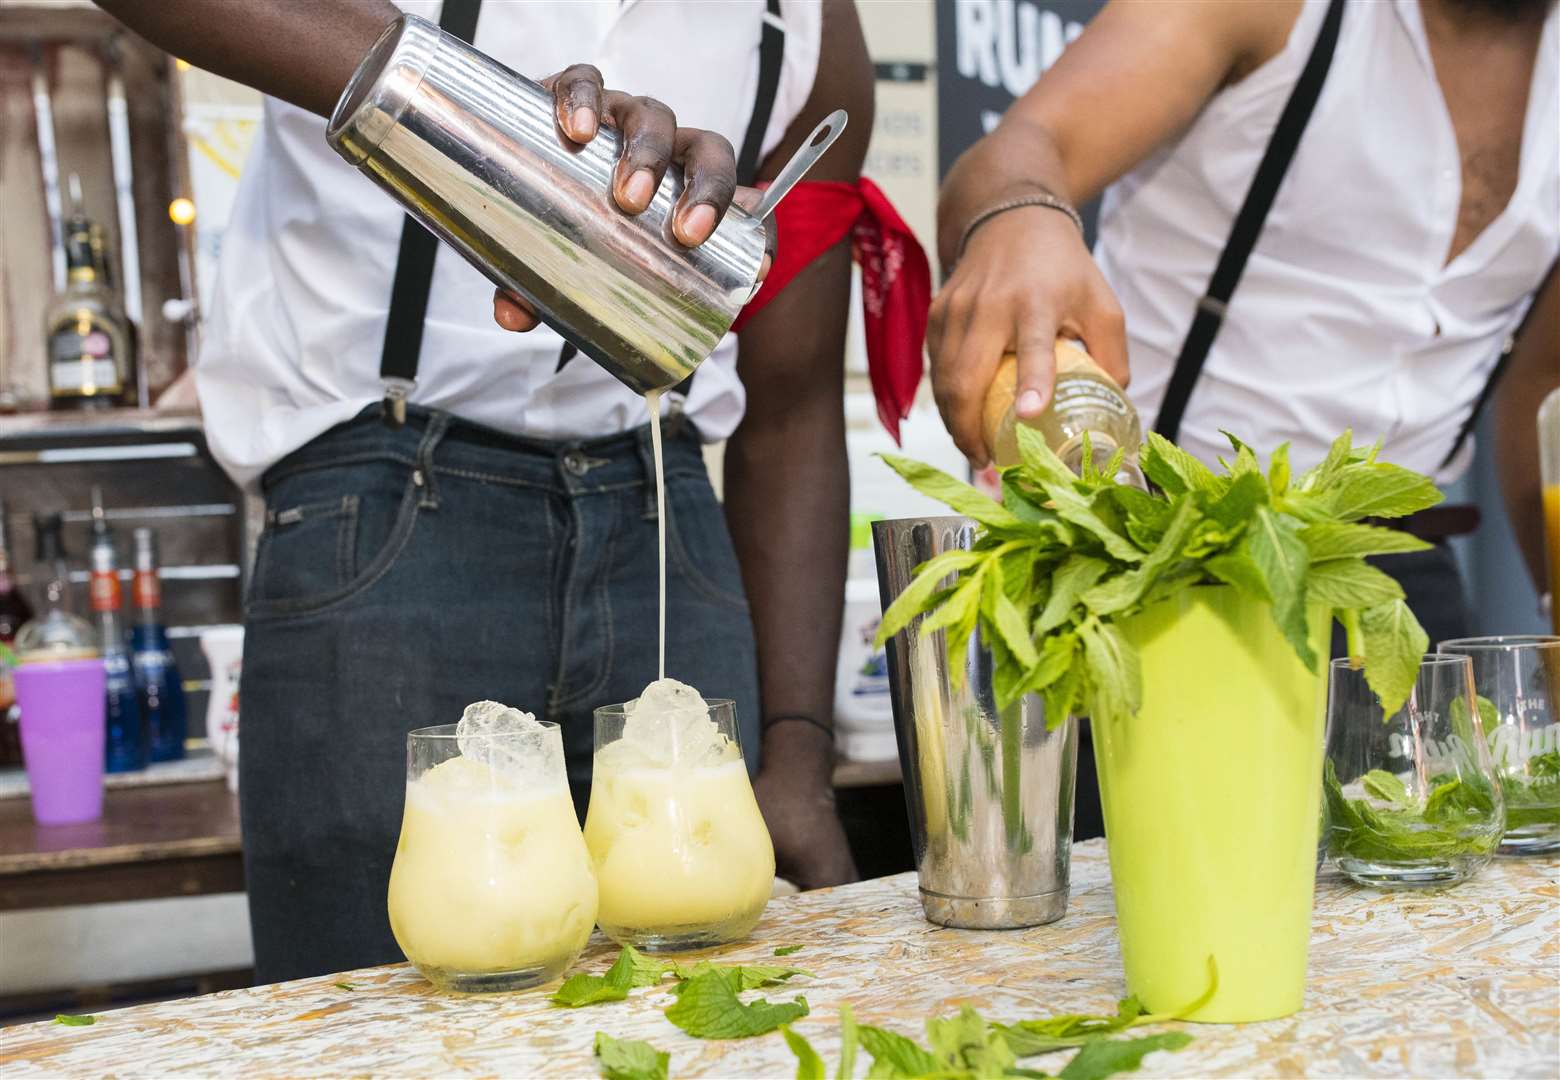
<point>492,887</point>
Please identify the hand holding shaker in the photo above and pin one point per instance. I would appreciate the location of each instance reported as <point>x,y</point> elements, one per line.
<point>472,150</point>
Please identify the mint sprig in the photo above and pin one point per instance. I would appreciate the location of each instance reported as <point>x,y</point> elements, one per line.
<point>631,968</point>
<point>707,1007</point>
<point>1533,797</point>
<point>1063,559</point>
<point>1454,817</point>
<point>630,1059</point>
<point>967,1046</point>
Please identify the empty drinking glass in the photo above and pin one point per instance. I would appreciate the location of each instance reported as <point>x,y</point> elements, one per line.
<point>681,851</point>
<point>492,888</point>
<point>1412,798</point>
<point>1518,682</point>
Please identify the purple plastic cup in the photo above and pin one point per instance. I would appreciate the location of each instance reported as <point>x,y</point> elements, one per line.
<point>63,704</point>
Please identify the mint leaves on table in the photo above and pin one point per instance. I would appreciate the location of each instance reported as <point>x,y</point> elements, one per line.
<point>66,1020</point>
<point>1063,559</point>
<point>708,1007</point>
<point>966,1046</point>
<point>745,976</point>
<point>1028,1037</point>
<point>632,968</point>
<point>344,986</point>
<point>1392,825</point>
<point>809,1066</point>
<point>895,1055</point>
<point>1107,1057</point>
<point>630,1059</point>
<point>787,950</point>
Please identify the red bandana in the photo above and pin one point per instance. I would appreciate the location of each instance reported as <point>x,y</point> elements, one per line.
<point>896,281</point>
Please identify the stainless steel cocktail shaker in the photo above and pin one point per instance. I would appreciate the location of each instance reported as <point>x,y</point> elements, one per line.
<point>989,791</point>
<point>473,151</point>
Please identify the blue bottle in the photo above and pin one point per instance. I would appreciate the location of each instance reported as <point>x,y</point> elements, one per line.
<point>127,746</point>
<point>156,675</point>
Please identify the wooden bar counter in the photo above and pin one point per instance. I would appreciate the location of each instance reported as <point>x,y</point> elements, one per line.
<point>152,841</point>
<point>1461,982</point>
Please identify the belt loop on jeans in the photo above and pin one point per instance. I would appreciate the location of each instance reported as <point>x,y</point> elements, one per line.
<point>422,475</point>
<point>646,453</point>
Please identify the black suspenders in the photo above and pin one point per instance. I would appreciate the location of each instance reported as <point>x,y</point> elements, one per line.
<point>1248,225</point>
<point>414,266</point>
<point>1507,348</point>
<point>771,51</point>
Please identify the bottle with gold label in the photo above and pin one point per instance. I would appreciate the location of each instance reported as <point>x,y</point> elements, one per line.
<point>90,349</point>
<point>1085,400</point>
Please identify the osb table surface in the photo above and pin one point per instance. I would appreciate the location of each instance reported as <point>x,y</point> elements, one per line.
<point>1459,982</point>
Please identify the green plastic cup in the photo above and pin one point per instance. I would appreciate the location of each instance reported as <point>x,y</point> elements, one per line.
<point>1212,797</point>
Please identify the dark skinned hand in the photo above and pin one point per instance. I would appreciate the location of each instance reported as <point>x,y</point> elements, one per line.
<point>651,141</point>
<point>796,796</point>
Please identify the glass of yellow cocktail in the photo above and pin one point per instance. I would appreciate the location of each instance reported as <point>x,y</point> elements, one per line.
<point>681,852</point>
<point>492,887</point>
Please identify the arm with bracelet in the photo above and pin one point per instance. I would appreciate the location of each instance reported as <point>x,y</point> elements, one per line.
<point>1023,275</point>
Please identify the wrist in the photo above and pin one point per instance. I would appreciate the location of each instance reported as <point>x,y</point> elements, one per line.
<point>1036,199</point>
<point>794,746</point>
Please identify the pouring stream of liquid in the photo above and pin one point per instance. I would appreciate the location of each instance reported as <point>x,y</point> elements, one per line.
<point>821,138</point>
<point>653,403</point>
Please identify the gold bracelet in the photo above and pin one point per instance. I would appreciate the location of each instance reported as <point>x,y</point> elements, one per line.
<point>1040,198</point>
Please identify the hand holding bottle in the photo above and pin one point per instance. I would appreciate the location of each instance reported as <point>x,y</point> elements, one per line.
<point>1084,400</point>
<point>1024,279</point>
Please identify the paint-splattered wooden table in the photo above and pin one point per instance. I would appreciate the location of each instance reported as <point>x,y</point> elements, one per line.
<point>1462,982</point>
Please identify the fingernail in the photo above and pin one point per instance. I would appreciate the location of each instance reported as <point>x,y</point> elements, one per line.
<point>1030,403</point>
<point>583,122</point>
<point>640,188</point>
<point>698,223</point>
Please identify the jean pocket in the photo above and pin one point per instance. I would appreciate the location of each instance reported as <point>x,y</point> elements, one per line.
<point>316,554</point>
<point>698,543</point>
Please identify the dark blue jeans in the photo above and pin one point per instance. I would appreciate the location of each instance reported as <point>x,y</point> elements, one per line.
<point>405,572</point>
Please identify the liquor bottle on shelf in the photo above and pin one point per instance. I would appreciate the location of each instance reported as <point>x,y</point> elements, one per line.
<point>59,633</point>
<point>14,611</point>
<point>126,744</point>
<point>156,675</point>
<point>91,351</point>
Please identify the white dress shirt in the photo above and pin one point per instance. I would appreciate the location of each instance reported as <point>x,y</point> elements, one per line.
<point>1348,314</point>
<point>294,331</point>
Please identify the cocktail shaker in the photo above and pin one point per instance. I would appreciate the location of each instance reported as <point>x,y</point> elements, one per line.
<point>989,791</point>
<point>473,151</point>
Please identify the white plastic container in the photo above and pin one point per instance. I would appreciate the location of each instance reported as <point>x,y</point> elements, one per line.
<point>224,649</point>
